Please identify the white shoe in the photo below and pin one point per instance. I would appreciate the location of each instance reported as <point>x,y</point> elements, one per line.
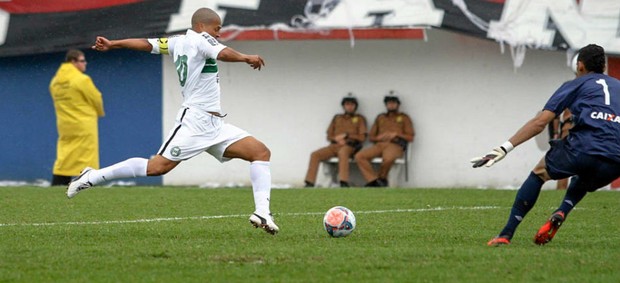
<point>79,183</point>
<point>266,223</point>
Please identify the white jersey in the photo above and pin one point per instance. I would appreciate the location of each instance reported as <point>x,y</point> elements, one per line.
<point>195,57</point>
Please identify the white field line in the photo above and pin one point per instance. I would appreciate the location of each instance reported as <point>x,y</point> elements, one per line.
<point>411,210</point>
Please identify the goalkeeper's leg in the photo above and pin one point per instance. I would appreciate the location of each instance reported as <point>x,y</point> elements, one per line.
<point>524,201</point>
<point>580,185</point>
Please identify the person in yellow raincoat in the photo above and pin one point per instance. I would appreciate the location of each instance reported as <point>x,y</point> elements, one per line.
<point>78,104</point>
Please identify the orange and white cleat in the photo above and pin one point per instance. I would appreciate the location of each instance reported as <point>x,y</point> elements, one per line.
<point>499,241</point>
<point>547,231</point>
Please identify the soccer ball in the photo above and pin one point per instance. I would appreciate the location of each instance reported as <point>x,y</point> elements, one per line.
<point>339,221</point>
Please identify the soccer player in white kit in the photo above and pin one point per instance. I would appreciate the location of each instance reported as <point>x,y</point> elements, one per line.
<point>199,125</point>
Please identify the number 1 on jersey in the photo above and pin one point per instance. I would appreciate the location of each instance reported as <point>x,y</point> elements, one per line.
<point>605,90</point>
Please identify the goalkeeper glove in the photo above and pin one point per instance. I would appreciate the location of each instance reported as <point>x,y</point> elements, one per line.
<point>492,157</point>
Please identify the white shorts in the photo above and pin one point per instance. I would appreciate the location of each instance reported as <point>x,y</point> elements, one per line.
<point>196,131</point>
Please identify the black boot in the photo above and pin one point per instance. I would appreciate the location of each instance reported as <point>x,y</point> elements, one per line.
<point>344,184</point>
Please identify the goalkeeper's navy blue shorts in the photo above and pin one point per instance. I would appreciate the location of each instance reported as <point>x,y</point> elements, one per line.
<point>593,172</point>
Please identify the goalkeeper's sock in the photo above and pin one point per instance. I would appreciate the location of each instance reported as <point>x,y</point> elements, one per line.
<point>574,194</point>
<point>130,168</point>
<point>524,201</point>
<point>260,175</point>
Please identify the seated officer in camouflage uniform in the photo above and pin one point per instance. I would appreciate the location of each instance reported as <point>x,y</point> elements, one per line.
<point>346,134</point>
<point>391,133</point>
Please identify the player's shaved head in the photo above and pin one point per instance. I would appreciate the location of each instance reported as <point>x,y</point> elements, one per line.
<point>205,16</point>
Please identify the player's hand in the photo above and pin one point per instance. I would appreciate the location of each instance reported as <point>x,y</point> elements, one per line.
<point>255,61</point>
<point>490,158</point>
<point>102,44</point>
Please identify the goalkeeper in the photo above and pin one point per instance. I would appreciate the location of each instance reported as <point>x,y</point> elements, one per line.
<point>590,154</point>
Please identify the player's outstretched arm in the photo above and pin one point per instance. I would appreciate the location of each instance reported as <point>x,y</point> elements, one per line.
<point>532,128</point>
<point>230,55</point>
<point>140,44</point>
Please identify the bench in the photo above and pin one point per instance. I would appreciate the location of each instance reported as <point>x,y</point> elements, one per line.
<point>329,176</point>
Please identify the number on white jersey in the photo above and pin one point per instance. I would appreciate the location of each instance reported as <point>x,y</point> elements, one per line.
<point>181,63</point>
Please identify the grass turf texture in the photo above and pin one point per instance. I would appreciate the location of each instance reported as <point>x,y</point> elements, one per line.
<point>402,235</point>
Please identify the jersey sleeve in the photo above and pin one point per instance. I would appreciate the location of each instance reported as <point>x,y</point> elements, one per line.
<point>563,97</point>
<point>210,47</point>
<point>162,45</point>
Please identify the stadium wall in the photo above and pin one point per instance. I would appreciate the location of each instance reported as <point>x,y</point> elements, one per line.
<point>462,93</point>
<point>131,86</point>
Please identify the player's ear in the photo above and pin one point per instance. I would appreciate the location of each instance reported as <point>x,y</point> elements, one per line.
<point>581,68</point>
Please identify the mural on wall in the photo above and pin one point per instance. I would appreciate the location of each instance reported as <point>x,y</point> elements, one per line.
<point>29,27</point>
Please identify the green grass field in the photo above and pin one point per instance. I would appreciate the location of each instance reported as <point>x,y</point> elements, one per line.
<point>185,234</point>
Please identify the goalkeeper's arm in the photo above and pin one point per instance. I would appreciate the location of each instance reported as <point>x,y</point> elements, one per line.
<point>532,128</point>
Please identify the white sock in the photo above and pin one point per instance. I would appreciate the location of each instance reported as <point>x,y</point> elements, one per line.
<point>260,175</point>
<point>130,168</point>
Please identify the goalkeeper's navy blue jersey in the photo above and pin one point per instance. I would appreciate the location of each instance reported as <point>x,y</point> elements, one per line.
<point>594,101</point>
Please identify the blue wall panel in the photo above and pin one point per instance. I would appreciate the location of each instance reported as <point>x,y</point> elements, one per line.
<point>131,84</point>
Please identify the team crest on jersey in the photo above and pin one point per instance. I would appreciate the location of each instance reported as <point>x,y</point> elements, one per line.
<point>399,119</point>
<point>175,151</point>
<point>354,120</point>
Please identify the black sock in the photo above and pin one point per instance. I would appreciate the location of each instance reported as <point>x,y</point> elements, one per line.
<point>524,201</point>
<point>574,194</point>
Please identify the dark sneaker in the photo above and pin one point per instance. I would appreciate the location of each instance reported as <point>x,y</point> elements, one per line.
<point>374,183</point>
<point>344,184</point>
<point>547,231</point>
<point>308,184</point>
<point>499,241</point>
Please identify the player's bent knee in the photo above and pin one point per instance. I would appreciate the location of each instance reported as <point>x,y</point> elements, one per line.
<point>263,154</point>
<point>542,174</point>
<point>157,171</point>
<point>159,166</point>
